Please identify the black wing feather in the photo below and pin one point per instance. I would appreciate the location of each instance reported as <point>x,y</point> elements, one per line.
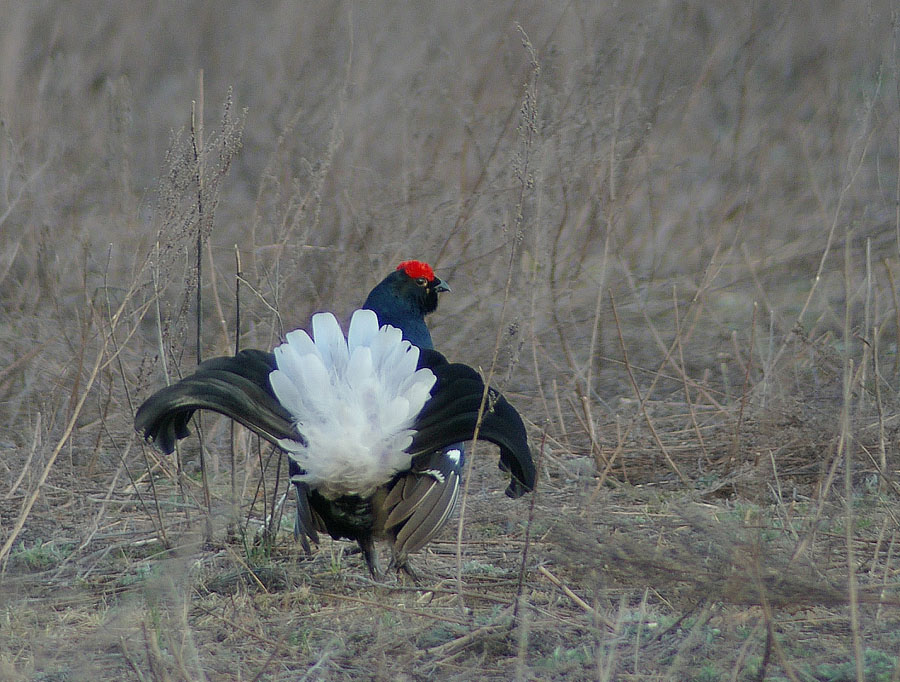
<point>451,414</point>
<point>237,387</point>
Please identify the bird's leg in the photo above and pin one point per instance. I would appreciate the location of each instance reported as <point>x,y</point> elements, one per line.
<point>367,546</point>
<point>401,565</point>
<point>408,570</point>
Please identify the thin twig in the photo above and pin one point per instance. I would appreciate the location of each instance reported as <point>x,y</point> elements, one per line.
<point>587,608</point>
<point>530,132</point>
<point>524,562</point>
<point>641,399</point>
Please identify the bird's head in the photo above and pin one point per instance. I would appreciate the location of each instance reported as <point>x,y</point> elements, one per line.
<point>405,297</point>
<point>411,289</point>
<point>415,281</point>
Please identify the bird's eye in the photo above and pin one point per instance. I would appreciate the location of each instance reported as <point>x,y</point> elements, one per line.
<point>421,281</point>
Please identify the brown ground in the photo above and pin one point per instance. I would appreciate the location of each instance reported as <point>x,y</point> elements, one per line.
<point>695,205</point>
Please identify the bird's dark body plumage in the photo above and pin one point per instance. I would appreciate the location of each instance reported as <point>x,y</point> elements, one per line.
<point>410,507</point>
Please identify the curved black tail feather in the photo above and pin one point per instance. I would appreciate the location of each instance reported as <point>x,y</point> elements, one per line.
<point>237,387</point>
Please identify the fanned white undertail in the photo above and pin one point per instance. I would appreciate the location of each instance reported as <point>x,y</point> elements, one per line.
<point>353,399</point>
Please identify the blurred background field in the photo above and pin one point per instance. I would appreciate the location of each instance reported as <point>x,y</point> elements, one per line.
<point>697,207</point>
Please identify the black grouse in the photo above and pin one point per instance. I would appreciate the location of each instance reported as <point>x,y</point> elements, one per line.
<point>372,423</point>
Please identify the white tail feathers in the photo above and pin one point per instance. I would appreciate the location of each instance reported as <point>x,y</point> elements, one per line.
<point>354,400</point>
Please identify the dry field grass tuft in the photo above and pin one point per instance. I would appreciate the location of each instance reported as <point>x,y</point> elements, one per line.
<point>673,236</point>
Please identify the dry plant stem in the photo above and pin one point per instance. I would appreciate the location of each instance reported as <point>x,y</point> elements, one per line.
<point>524,562</point>
<point>20,193</point>
<point>199,175</point>
<point>846,438</point>
<point>470,201</point>
<point>555,293</point>
<point>641,400</point>
<point>460,643</point>
<point>536,290</point>
<point>606,663</point>
<point>744,650</point>
<point>884,473</point>
<point>523,637</point>
<point>752,269</point>
<point>593,356</point>
<point>261,490</point>
<point>35,443</point>
<point>642,610</point>
<point>163,358</point>
<point>581,603</point>
<point>613,458</point>
<point>536,365</point>
<point>863,401</point>
<point>709,275</point>
<point>274,520</point>
<point>678,668</point>
<point>73,418</point>
<point>530,131</point>
<point>894,51</point>
<point>158,521</point>
<point>885,580</point>
<point>893,285</point>
<point>298,208</point>
<point>234,624</point>
<point>687,391</point>
<point>589,427</point>
<point>249,569</point>
<point>836,214</point>
<point>876,552</point>
<point>397,609</point>
<point>736,440</point>
<point>471,455</point>
<point>199,157</point>
<point>476,187</point>
<point>559,414</point>
<point>235,509</point>
<point>271,658</point>
<point>824,488</point>
<point>101,511</point>
<point>139,675</point>
<point>217,302</point>
<point>772,643</point>
<point>153,653</point>
<point>693,313</point>
<point>7,372</point>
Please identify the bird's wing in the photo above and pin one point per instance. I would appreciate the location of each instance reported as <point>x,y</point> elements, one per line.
<point>237,387</point>
<point>450,416</point>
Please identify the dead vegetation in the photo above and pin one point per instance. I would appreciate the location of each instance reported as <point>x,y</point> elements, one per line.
<point>673,238</point>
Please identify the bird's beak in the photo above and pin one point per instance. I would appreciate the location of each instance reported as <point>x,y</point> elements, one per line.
<point>440,286</point>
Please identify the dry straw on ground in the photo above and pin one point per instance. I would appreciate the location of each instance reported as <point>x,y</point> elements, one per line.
<point>673,236</point>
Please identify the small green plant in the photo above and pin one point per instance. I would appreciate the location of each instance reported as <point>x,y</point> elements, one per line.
<point>258,548</point>
<point>139,575</point>
<point>301,638</point>
<point>563,656</point>
<point>707,673</point>
<point>475,567</point>
<point>877,667</point>
<point>334,566</point>
<point>41,555</point>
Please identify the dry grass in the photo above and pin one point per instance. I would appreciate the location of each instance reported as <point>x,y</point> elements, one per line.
<point>673,237</point>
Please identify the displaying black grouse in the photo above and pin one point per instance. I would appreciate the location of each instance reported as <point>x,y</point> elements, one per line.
<point>372,423</point>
